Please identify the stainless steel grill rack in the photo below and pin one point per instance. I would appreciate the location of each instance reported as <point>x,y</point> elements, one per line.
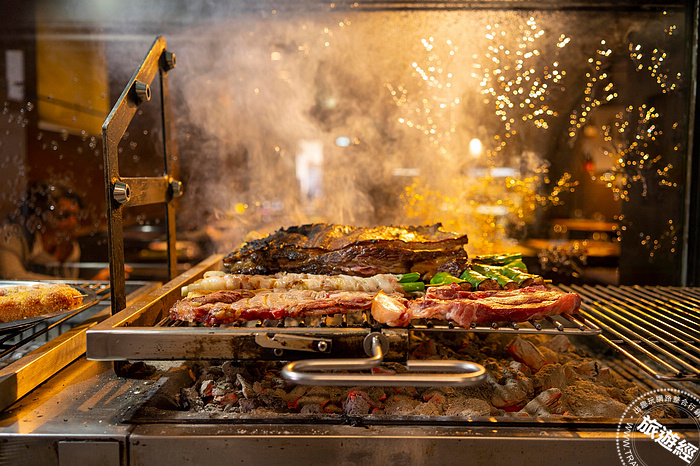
<point>656,327</point>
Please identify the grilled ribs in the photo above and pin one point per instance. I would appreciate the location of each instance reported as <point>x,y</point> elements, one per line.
<point>234,306</point>
<point>340,249</point>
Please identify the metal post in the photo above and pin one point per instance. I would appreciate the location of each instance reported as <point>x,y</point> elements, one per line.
<point>126,192</point>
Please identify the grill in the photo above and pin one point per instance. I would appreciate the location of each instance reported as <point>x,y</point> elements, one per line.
<point>160,424</point>
<point>635,321</point>
<point>646,335</point>
<point>656,327</point>
<point>144,331</point>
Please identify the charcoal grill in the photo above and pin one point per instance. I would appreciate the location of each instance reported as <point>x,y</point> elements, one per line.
<point>144,331</point>
<point>66,425</point>
<point>655,327</point>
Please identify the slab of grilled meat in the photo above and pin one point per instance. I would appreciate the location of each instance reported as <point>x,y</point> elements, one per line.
<point>341,249</point>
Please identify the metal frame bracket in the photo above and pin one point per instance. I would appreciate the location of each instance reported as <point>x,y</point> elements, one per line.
<point>127,192</point>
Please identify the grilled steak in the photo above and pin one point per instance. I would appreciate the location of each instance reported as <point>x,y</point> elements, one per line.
<point>449,302</point>
<point>340,249</point>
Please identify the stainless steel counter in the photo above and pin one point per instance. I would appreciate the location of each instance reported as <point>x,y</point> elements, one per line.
<point>81,403</point>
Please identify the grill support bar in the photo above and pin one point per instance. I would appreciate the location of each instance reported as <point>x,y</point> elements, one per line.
<point>127,192</point>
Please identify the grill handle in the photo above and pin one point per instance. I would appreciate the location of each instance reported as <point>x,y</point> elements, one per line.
<point>460,373</point>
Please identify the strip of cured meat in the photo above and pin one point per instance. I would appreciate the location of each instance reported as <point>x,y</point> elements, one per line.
<point>451,303</point>
<point>24,301</point>
<point>330,249</point>
<point>220,281</point>
<point>229,307</point>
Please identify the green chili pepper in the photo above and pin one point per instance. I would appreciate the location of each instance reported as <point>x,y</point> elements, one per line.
<point>473,277</point>
<point>444,278</point>
<point>413,286</point>
<point>493,272</point>
<point>409,277</point>
<point>498,259</point>
<point>518,264</point>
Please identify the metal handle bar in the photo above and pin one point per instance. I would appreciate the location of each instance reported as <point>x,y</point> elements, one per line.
<point>461,373</point>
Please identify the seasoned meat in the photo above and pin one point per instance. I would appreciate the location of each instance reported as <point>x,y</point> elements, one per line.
<point>340,249</point>
<point>451,303</point>
<point>228,307</point>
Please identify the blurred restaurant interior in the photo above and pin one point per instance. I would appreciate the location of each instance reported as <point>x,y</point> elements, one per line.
<point>565,131</point>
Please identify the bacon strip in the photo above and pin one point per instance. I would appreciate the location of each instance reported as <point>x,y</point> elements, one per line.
<point>228,307</point>
<point>450,303</point>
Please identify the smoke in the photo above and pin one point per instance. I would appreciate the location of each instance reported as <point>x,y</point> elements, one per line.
<point>261,89</point>
<point>287,116</point>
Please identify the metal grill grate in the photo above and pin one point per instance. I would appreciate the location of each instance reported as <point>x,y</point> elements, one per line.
<point>658,328</point>
<point>566,324</point>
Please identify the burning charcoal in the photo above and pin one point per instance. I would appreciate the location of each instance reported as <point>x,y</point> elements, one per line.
<point>468,407</point>
<point>436,402</point>
<point>311,409</point>
<point>247,405</point>
<point>429,408</point>
<point>559,344</point>
<point>492,365</point>
<point>509,395</point>
<point>408,391</point>
<point>332,408</point>
<point>400,405</point>
<point>592,369</point>
<point>519,369</point>
<point>231,369</point>
<point>222,388</point>
<point>550,376</point>
<point>190,399</point>
<point>585,398</point>
<point>527,353</point>
<point>272,400</point>
<point>317,399</point>
<point>225,400</point>
<point>210,373</point>
<point>547,402</point>
<point>551,356</point>
<point>431,393</point>
<point>258,387</point>
<point>278,382</point>
<point>320,396</point>
<point>425,350</point>
<point>294,395</point>
<point>246,387</point>
<point>358,403</point>
<point>205,390</point>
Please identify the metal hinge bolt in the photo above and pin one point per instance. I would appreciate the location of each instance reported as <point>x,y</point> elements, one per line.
<point>177,188</point>
<point>142,92</point>
<point>121,192</point>
<point>169,61</point>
